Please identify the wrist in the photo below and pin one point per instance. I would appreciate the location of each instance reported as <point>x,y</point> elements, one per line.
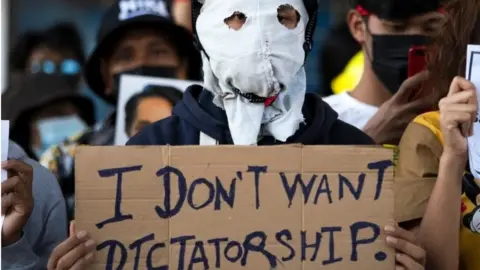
<point>454,156</point>
<point>453,161</point>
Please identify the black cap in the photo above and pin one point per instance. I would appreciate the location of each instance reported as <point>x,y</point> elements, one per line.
<point>398,9</point>
<point>29,92</point>
<point>119,18</point>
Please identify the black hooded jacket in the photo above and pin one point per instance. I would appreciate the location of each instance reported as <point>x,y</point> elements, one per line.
<point>196,113</point>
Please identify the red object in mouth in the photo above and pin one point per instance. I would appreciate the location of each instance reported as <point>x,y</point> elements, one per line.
<point>268,101</point>
<point>362,11</point>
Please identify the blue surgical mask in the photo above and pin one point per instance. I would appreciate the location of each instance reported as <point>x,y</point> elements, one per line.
<point>55,130</point>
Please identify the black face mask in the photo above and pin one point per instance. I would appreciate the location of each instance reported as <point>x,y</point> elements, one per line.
<point>150,71</point>
<point>390,58</point>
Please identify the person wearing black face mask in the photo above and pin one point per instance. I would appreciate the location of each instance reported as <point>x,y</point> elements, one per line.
<point>387,30</point>
<point>135,37</point>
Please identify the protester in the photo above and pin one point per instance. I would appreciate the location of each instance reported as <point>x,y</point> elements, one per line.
<point>35,215</point>
<point>386,30</point>
<point>241,91</point>
<point>137,38</point>
<point>43,111</point>
<point>152,104</point>
<point>336,52</point>
<point>435,145</point>
<point>57,50</point>
<point>255,93</point>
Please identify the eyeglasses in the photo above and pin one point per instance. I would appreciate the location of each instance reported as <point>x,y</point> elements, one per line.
<point>67,67</point>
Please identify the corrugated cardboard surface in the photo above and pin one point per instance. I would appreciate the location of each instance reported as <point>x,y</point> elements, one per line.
<point>276,216</point>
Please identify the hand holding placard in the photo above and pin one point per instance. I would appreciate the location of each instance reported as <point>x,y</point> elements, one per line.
<point>77,252</point>
<point>17,200</point>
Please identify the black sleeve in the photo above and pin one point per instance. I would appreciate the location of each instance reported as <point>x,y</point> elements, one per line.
<point>346,134</point>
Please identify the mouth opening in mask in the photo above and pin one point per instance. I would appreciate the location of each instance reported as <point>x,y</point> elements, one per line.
<point>253,98</point>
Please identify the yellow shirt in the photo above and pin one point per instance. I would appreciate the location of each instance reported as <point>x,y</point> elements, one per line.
<point>419,155</point>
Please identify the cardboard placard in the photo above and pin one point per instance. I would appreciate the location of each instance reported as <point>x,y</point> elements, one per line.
<point>230,207</point>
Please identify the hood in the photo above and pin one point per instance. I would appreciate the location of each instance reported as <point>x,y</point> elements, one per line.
<point>198,109</point>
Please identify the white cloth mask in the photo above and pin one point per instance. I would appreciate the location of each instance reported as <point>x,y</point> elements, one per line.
<point>264,56</point>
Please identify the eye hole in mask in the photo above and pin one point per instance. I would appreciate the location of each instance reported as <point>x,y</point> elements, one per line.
<point>236,20</point>
<point>288,16</point>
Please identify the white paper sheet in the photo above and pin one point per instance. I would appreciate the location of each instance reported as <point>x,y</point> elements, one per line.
<point>473,75</point>
<point>5,138</point>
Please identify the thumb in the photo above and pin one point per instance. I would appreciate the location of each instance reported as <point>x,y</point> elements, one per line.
<point>409,86</point>
<point>72,227</point>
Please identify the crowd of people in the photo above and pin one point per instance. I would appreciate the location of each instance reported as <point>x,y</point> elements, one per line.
<point>250,57</point>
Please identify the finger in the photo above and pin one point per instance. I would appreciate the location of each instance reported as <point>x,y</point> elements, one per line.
<point>72,227</point>
<point>406,247</point>
<point>11,184</point>
<point>76,254</point>
<point>407,262</point>
<point>83,262</point>
<point>65,247</point>
<point>463,97</point>
<point>7,202</point>
<point>398,232</point>
<point>462,107</point>
<point>460,84</point>
<point>399,267</point>
<point>17,166</point>
<point>460,111</point>
<point>454,119</point>
<point>410,85</point>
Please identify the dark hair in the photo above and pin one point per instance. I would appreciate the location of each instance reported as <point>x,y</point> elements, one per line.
<point>339,47</point>
<point>447,59</point>
<point>20,131</point>
<point>173,95</point>
<point>62,37</point>
<point>186,52</point>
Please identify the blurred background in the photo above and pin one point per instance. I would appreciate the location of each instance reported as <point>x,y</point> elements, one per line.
<point>20,16</point>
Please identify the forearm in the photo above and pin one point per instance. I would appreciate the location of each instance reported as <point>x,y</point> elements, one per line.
<point>439,231</point>
<point>182,13</point>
